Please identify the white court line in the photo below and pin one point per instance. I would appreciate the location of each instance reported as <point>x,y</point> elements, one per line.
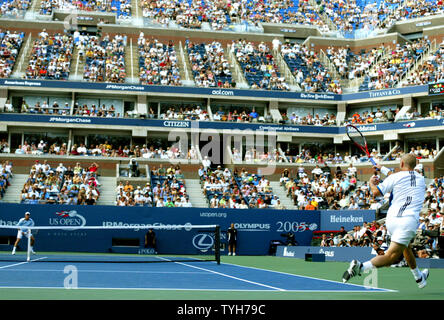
<point>297,275</point>
<point>189,289</point>
<point>107,271</point>
<point>20,263</point>
<point>225,275</point>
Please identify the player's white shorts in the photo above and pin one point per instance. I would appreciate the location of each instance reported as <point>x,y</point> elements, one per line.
<point>21,233</point>
<point>402,229</point>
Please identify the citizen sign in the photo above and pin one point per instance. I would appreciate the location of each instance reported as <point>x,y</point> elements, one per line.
<point>176,124</point>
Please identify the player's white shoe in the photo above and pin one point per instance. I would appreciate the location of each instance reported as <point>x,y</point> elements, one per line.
<point>13,251</point>
<point>353,270</point>
<point>423,281</point>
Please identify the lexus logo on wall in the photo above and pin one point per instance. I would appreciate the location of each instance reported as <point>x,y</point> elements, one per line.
<point>203,242</point>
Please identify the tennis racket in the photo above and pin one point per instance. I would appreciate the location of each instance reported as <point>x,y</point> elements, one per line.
<point>359,140</point>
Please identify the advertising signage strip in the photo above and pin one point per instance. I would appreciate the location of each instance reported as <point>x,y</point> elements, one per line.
<point>436,88</point>
<point>214,91</point>
<point>5,117</point>
<point>215,125</point>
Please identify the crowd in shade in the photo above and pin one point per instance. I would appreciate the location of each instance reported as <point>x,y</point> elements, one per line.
<point>10,44</point>
<point>310,74</point>
<point>50,56</point>
<point>392,68</point>
<point>122,8</point>
<point>252,155</point>
<point>96,111</point>
<point>43,107</point>
<point>209,65</point>
<point>5,174</point>
<point>103,150</point>
<point>241,115</point>
<point>430,71</point>
<point>165,189</point>
<point>48,184</point>
<point>420,151</point>
<point>351,65</point>
<point>185,113</point>
<point>306,155</point>
<point>157,62</point>
<point>310,120</point>
<point>259,66</point>
<point>105,58</point>
<point>389,115</point>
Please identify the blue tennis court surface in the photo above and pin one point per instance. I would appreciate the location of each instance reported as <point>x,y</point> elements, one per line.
<point>165,276</point>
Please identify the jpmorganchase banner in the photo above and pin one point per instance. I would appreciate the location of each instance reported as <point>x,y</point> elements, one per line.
<point>316,96</point>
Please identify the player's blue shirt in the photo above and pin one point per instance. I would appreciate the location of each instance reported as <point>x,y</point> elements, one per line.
<point>25,223</point>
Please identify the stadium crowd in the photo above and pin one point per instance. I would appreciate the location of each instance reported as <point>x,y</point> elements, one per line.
<point>316,120</point>
<point>105,58</point>
<point>309,72</point>
<point>391,69</point>
<point>165,189</point>
<point>50,56</point>
<point>350,65</point>
<point>259,66</point>
<point>209,65</point>
<point>122,8</point>
<point>157,62</point>
<point>5,175</point>
<point>61,185</point>
<point>10,44</point>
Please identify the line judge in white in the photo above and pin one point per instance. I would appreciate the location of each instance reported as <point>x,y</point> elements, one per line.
<point>24,231</point>
<point>407,188</point>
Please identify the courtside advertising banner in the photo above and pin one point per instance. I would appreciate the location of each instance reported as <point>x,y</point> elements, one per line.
<point>335,219</point>
<point>256,227</point>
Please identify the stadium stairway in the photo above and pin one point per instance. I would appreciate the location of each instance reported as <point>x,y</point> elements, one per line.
<point>107,191</point>
<point>281,193</point>
<point>186,75</point>
<point>13,192</point>
<point>23,58</point>
<point>132,61</point>
<point>194,191</point>
<point>76,68</point>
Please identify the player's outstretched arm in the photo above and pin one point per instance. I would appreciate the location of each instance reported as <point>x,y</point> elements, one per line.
<point>373,183</point>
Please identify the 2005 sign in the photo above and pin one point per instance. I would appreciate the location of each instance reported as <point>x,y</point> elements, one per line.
<point>291,226</point>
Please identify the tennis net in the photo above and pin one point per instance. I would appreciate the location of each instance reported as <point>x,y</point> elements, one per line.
<point>112,244</point>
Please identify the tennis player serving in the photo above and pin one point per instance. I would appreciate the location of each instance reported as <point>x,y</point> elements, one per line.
<point>25,222</point>
<point>407,187</point>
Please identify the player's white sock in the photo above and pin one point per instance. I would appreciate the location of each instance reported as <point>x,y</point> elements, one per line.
<point>367,266</point>
<point>13,250</point>
<point>416,273</point>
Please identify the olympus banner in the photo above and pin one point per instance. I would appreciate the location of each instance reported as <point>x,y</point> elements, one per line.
<point>256,228</point>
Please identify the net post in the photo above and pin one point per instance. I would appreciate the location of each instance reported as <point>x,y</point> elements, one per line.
<point>28,253</point>
<point>217,243</point>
